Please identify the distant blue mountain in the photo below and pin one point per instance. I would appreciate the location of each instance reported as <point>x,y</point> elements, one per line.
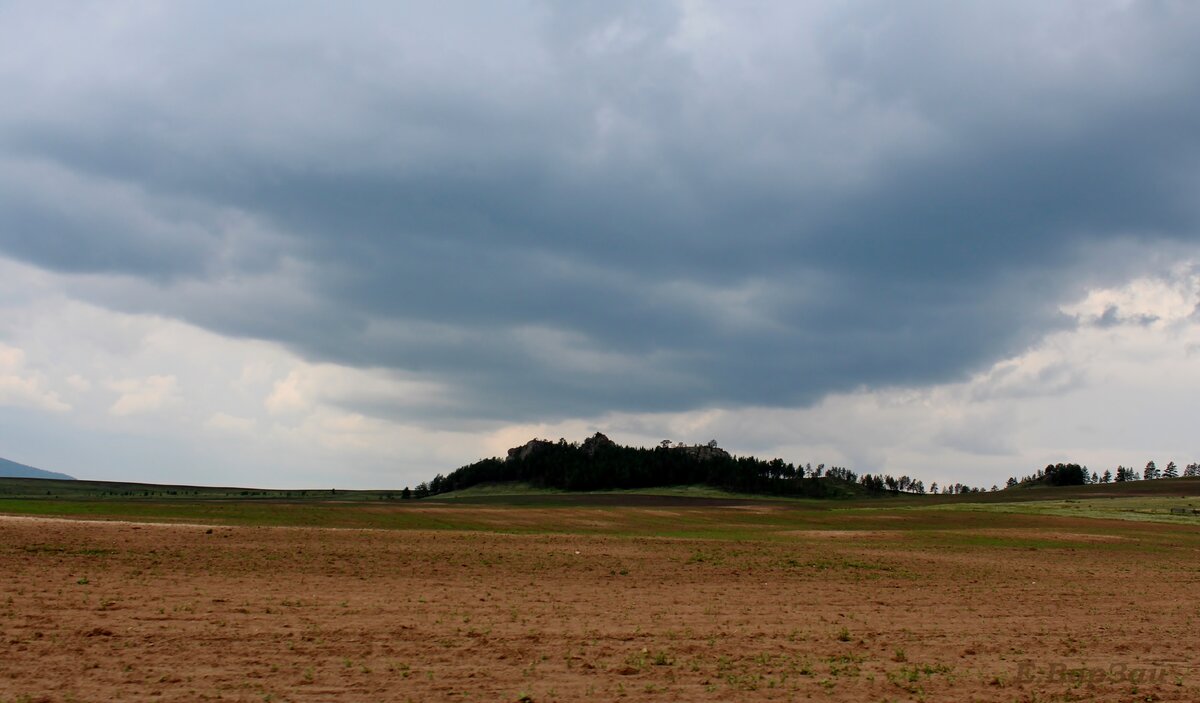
<point>11,469</point>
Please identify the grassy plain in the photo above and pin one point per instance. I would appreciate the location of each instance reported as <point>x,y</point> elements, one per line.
<point>513,594</point>
<point>522,508</point>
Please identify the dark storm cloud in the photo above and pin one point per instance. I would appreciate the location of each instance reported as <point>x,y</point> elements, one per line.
<point>566,209</point>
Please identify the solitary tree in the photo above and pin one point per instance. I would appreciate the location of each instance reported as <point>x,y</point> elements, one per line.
<point>1171,471</point>
<point>1151,471</point>
<point>1107,477</point>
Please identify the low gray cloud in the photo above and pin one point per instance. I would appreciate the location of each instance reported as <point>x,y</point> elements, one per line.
<point>562,210</point>
<point>1112,317</point>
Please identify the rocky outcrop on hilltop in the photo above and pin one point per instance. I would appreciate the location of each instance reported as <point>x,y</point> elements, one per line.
<point>703,452</point>
<point>595,443</point>
<point>528,449</point>
<point>590,446</point>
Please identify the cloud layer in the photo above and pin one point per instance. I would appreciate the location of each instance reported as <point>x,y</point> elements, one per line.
<point>540,213</point>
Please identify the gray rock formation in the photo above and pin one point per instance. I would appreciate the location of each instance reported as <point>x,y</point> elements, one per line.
<point>701,451</point>
<point>596,442</point>
<point>528,449</point>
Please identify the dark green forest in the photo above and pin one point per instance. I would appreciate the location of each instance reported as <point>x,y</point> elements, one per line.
<point>600,464</point>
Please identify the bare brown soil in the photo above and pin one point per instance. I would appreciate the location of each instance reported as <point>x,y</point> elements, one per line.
<point>94,611</point>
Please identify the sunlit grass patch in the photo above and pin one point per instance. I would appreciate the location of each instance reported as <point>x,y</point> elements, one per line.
<point>1138,509</point>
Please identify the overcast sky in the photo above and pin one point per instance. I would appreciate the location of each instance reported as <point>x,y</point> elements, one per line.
<point>357,244</point>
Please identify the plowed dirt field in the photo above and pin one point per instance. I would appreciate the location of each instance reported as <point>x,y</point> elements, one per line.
<point>1044,609</point>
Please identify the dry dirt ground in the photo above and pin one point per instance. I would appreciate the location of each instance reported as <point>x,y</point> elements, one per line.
<point>93,611</point>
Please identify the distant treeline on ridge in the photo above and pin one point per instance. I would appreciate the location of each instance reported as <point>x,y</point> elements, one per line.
<point>599,464</point>
<point>1076,475</point>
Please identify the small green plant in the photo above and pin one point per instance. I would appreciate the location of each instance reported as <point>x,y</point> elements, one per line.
<point>403,669</point>
<point>843,635</point>
<point>637,660</point>
<point>83,581</point>
<point>908,677</point>
<point>846,664</point>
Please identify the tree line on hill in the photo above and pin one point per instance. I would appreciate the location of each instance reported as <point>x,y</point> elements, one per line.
<point>600,464</point>
<point>1076,475</point>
